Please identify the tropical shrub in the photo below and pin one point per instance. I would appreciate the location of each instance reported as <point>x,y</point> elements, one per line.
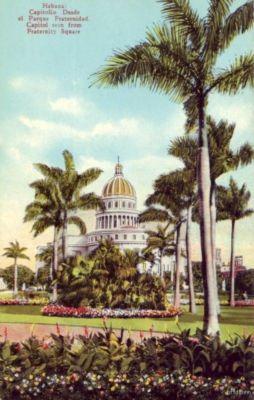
<point>244,282</point>
<point>87,312</point>
<point>105,366</point>
<point>109,278</point>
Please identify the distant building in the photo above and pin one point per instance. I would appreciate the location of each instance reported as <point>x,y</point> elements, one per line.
<point>239,267</point>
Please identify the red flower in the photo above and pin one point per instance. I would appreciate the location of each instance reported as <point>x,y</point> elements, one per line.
<point>58,331</point>
<point>86,331</point>
<point>5,333</point>
<point>17,347</point>
<point>74,378</point>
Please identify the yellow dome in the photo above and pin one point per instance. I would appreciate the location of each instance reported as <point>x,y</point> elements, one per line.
<point>118,185</point>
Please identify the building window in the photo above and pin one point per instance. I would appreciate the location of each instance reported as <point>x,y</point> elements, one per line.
<point>125,237</point>
<point>109,204</point>
<point>129,205</point>
<point>123,204</point>
<point>116,236</point>
<point>134,237</point>
<point>116,203</point>
<point>96,238</point>
<point>115,221</point>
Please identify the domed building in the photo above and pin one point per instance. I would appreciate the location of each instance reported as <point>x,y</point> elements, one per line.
<point>118,221</point>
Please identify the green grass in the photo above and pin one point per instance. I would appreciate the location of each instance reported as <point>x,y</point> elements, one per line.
<point>233,320</point>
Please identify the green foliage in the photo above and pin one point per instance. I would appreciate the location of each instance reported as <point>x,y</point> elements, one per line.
<point>25,275</point>
<point>244,282</point>
<point>198,280</point>
<point>43,276</point>
<point>109,278</point>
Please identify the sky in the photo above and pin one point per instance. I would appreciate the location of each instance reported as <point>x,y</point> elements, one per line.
<point>47,106</point>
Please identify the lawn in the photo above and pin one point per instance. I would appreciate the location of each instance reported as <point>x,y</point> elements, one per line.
<point>233,320</point>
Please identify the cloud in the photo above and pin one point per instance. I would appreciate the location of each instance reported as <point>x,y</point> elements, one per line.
<point>42,131</point>
<point>71,105</point>
<point>14,153</point>
<point>33,84</point>
<point>235,111</point>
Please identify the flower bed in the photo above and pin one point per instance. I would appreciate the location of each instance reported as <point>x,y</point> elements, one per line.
<point>87,312</point>
<point>22,302</point>
<point>244,303</point>
<point>103,365</point>
<point>94,386</point>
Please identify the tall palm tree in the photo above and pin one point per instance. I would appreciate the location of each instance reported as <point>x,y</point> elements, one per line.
<point>15,251</point>
<point>70,185</point>
<point>179,59</point>
<point>185,148</point>
<point>45,212</point>
<point>222,160</point>
<point>233,205</point>
<point>179,187</point>
<point>161,240</point>
<point>172,196</point>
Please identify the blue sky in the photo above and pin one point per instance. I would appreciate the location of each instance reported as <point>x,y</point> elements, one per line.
<point>47,106</point>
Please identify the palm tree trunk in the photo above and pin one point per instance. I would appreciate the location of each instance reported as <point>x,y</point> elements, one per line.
<point>15,277</point>
<point>161,271</point>
<point>232,265</point>
<point>55,263</point>
<point>192,307</point>
<point>64,237</point>
<point>213,236</point>
<point>177,270</point>
<point>210,320</point>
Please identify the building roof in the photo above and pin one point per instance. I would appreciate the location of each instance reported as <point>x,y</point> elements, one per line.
<point>118,185</point>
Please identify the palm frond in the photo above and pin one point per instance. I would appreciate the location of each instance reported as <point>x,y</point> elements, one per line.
<point>245,154</point>
<point>154,214</point>
<point>41,224</point>
<point>142,65</point>
<point>181,15</point>
<point>237,76</point>
<point>75,220</point>
<point>236,23</point>
<point>217,12</point>
<point>89,201</point>
<point>68,161</point>
<point>89,176</point>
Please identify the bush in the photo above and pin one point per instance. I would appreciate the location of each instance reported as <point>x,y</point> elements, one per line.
<point>105,366</point>
<point>110,282</point>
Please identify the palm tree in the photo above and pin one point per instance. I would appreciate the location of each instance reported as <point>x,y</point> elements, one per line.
<point>180,60</point>
<point>162,241</point>
<point>70,185</point>
<point>172,197</point>
<point>222,160</point>
<point>45,211</point>
<point>185,148</point>
<point>233,205</point>
<point>15,251</point>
